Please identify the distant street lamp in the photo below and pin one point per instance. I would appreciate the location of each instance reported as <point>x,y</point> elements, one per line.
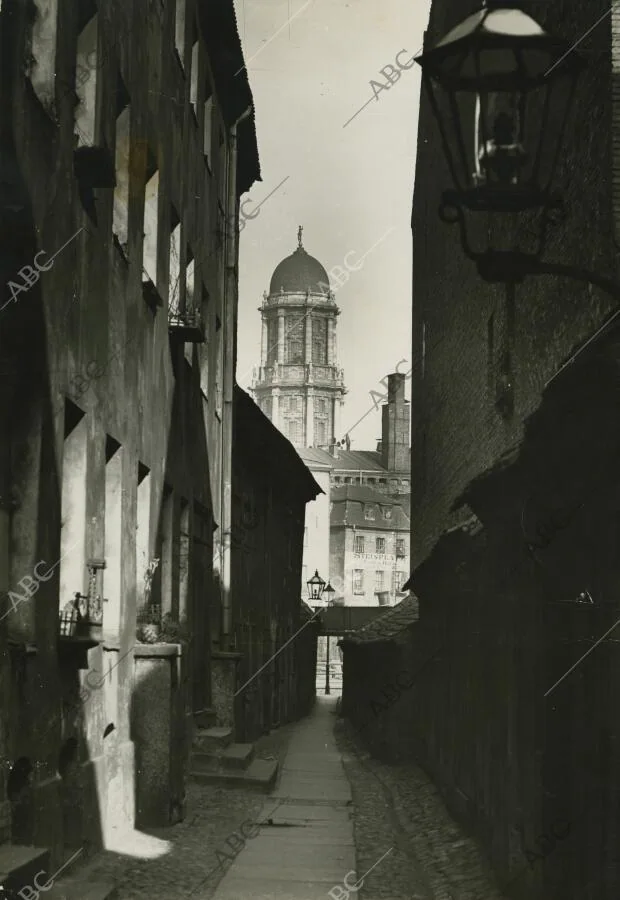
<point>328,590</point>
<point>501,89</point>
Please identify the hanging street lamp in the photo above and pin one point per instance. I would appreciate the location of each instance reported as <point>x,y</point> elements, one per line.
<point>501,90</point>
<point>316,586</point>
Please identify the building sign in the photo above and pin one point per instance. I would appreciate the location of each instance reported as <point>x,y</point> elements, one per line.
<point>373,557</point>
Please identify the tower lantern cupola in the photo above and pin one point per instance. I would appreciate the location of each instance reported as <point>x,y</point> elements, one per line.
<point>299,385</point>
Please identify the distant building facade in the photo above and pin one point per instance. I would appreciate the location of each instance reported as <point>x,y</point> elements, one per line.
<point>299,385</point>
<point>385,479</point>
<point>369,546</point>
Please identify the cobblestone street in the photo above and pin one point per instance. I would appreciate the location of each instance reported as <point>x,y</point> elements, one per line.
<point>395,812</point>
<point>399,806</point>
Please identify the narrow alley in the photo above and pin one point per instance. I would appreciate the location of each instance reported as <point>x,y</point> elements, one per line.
<point>336,824</point>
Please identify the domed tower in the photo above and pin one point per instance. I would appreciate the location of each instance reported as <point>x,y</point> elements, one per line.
<point>299,386</point>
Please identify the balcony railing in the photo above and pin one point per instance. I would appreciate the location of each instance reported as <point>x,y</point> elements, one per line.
<point>291,373</point>
<point>187,325</point>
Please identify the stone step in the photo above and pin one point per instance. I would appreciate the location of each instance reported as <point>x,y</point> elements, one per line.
<point>20,864</point>
<point>235,756</point>
<point>77,889</point>
<point>261,774</point>
<point>209,740</point>
<point>206,718</point>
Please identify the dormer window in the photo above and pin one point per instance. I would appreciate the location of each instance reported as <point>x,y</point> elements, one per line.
<point>387,512</point>
<point>369,512</point>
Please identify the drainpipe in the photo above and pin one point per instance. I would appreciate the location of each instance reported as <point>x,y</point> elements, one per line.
<point>228,339</point>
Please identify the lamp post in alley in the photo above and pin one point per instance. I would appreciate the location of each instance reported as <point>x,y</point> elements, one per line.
<point>328,590</point>
<point>501,88</point>
<point>316,588</point>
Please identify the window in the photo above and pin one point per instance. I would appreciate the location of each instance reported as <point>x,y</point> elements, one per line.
<point>143,519</point>
<point>369,513</point>
<point>379,580</point>
<point>43,50</point>
<point>319,341</point>
<point>399,579</point>
<point>113,538</point>
<point>86,89</point>
<point>190,270</point>
<point>179,30</point>
<point>151,214</point>
<point>358,581</point>
<point>358,543</point>
<point>194,74</point>
<point>400,547</point>
<point>174,293</point>
<point>207,146</point>
<point>74,494</point>
<point>121,163</point>
<point>320,432</point>
<point>380,545</point>
<point>387,512</point>
<point>295,328</point>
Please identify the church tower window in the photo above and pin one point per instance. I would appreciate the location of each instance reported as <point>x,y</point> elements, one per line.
<point>319,342</point>
<point>295,339</point>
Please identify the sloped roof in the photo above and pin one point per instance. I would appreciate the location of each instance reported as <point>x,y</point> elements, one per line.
<point>347,460</point>
<point>390,626</point>
<point>221,33</point>
<point>348,508</point>
<point>266,447</point>
<point>363,494</point>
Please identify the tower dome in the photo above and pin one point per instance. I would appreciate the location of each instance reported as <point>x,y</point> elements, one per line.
<point>299,272</point>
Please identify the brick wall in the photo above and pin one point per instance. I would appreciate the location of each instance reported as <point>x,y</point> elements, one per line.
<point>509,760</point>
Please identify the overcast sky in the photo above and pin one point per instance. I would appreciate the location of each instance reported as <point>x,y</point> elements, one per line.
<point>349,185</point>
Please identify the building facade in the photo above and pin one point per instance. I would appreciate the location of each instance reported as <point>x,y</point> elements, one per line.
<point>383,473</point>
<point>271,487</point>
<point>299,385</point>
<point>369,546</point>
<point>514,507</point>
<point>126,142</point>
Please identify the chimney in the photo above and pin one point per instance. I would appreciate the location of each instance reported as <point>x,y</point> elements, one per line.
<point>395,416</point>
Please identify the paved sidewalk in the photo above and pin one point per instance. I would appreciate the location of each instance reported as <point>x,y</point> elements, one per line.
<point>307,848</point>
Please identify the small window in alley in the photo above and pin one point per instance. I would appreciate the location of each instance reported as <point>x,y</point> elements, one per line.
<point>86,87</point>
<point>380,545</point>
<point>143,518</point>
<point>208,123</point>
<point>400,547</point>
<point>112,585</point>
<point>43,50</point>
<point>190,269</point>
<point>174,279</point>
<point>151,220</point>
<point>194,74</point>
<point>358,581</point>
<point>179,31</point>
<point>121,162</point>
<point>358,544</point>
<point>73,574</point>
